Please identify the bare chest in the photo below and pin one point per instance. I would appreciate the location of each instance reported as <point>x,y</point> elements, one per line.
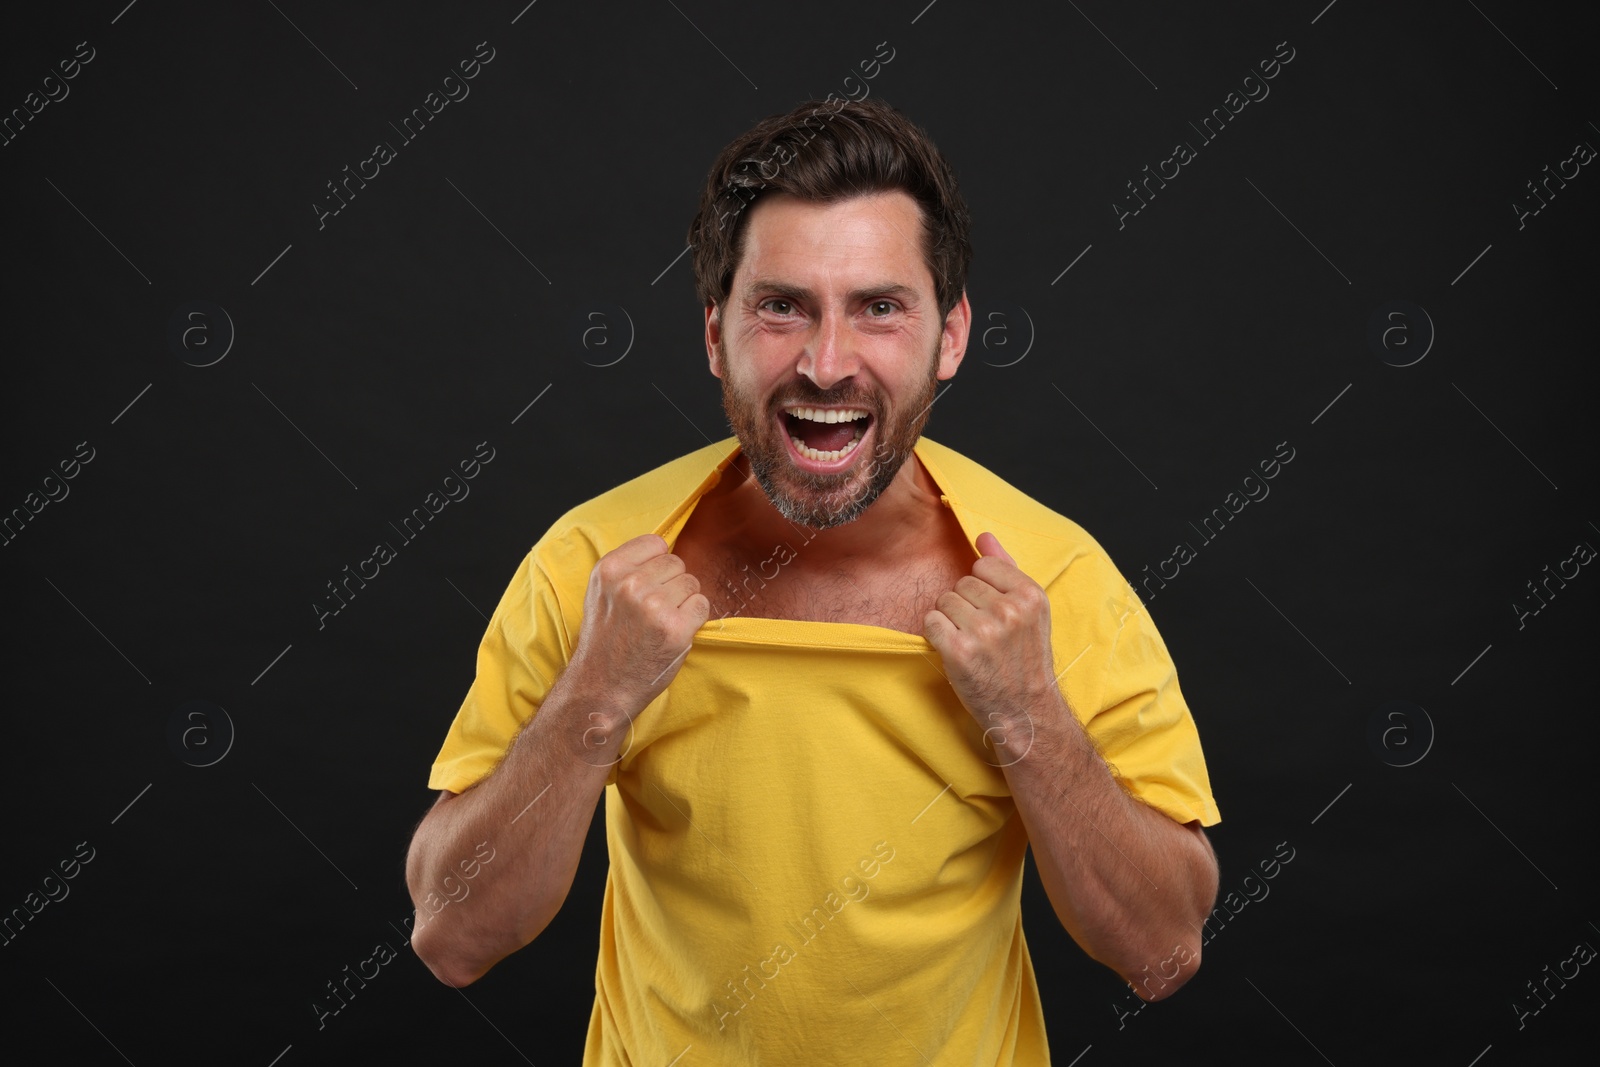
<point>792,581</point>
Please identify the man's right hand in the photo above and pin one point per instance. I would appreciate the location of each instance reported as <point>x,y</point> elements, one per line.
<point>640,613</point>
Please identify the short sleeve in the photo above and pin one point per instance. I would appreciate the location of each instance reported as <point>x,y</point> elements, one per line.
<point>1123,686</point>
<point>523,651</point>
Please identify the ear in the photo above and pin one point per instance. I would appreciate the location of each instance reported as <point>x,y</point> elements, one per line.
<point>714,338</point>
<point>953,344</point>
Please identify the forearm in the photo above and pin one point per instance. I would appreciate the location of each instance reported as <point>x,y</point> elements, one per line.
<point>1131,885</point>
<point>533,811</point>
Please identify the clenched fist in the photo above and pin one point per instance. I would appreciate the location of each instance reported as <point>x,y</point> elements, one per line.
<point>993,632</point>
<point>640,613</point>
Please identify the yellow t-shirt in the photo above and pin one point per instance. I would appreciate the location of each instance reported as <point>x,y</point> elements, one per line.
<point>814,856</point>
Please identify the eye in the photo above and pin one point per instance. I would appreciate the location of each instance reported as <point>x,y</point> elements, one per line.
<point>778,306</point>
<point>880,308</point>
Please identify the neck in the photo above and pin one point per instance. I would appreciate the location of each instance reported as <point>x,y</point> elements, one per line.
<point>906,506</point>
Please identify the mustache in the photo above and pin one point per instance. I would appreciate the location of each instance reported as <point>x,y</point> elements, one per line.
<point>808,395</point>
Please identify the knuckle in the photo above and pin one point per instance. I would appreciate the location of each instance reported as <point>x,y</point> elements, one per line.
<point>660,613</point>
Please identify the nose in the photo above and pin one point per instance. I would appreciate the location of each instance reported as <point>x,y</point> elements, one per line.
<point>830,354</point>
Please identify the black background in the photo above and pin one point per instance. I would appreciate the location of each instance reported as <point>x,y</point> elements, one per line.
<point>371,354</point>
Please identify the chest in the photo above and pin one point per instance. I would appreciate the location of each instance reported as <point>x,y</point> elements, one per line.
<point>800,581</point>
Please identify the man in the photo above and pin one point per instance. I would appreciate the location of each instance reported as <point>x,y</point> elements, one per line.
<point>833,678</point>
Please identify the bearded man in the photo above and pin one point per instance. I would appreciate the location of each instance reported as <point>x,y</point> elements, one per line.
<point>833,679</point>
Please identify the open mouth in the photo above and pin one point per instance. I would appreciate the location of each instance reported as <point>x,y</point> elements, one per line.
<point>825,436</point>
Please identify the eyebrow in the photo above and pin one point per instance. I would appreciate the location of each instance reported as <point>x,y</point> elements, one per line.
<point>801,294</point>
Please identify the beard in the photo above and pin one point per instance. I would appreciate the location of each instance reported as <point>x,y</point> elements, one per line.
<point>823,501</point>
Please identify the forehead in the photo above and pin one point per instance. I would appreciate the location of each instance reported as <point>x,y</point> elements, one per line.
<point>874,234</point>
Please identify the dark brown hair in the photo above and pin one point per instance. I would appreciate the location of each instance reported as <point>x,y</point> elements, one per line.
<point>826,151</point>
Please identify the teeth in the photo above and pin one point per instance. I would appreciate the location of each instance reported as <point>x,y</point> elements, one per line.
<point>817,456</point>
<point>826,414</point>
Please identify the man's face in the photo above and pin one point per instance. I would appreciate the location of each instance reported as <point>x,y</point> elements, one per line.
<point>829,345</point>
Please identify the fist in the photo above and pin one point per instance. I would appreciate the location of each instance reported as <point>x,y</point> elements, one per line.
<point>640,613</point>
<point>993,632</point>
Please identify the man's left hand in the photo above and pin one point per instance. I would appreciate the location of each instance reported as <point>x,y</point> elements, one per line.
<point>993,631</point>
